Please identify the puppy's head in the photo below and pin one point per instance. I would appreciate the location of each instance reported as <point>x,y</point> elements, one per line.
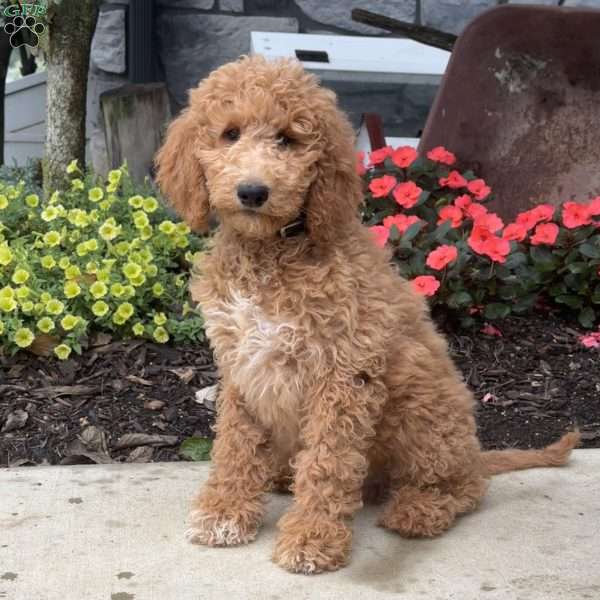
<point>260,144</point>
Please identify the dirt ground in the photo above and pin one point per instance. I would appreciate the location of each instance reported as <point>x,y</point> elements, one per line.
<point>135,401</point>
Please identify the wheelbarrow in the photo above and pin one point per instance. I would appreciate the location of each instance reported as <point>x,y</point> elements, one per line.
<point>520,104</point>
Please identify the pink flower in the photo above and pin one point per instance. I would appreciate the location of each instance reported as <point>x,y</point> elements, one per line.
<point>475,210</point>
<point>545,233</point>
<point>381,186</point>
<point>496,248</point>
<point>360,163</point>
<point>404,156</point>
<point>376,157</point>
<point>402,222</point>
<point>441,155</point>
<point>479,236</point>
<point>575,215</point>
<point>515,231</point>
<point>543,212</point>
<point>454,180</point>
<point>594,207</point>
<point>380,234</point>
<point>425,285</point>
<point>490,221</point>
<point>450,213</point>
<point>479,189</point>
<point>463,202</point>
<point>491,330</point>
<point>407,193</point>
<point>439,258</point>
<point>591,340</point>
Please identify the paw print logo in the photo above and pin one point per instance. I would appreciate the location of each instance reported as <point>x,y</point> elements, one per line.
<point>24,31</point>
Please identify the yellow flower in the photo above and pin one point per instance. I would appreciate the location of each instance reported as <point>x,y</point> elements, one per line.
<point>146,232</point>
<point>71,289</point>
<point>151,270</point>
<point>47,261</point>
<point>45,324</point>
<point>181,241</point>
<point>139,280</point>
<point>131,270</point>
<point>54,198</point>
<point>8,304</point>
<point>20,276</point>
<point>3,201</point>
<point>100,308</point>
<point>5,255</point>
<point>32,200</point>
<point>158,289</point>
<point>167,227</point>
<point>160,318</point>
<point>128,291</point>
<point>103,275</point>
<point>23,337</point>
<point>54,307</point>
<point>81,249</point>
<point>138,329</point>
<point>91,267</point>
<point>52,238</point>
<point>114,177</point>
<point>78,217</point>
<point>72,167</point>
<point>72,272</point>
<point>122,248</point>
<point>105,204</point>
<point>68,322</point>
<point>150,204</point>
<point>62,351</point>
<point>125,310</point>
<point>117,290</point>
<point>140,219</point>
<point>92,244</point>
<point>112,187</point>
<point>98,289</point>
<point>49,213</point>
<point>45,297</point>
<point>7,292</point>
<point>135,201</point>
<point>77,184</point>
<point>118,319</point>
<point>109,229</point>
<point>182,228</point>
<point>179,281</point>
<point>38,307</point>
<point>23,292</point>
<point>27,307</point>
<point>64,262</point>
<point>74,236</point>
<point>160,335</point>
<point>1,327</point>
<point>95,194</point>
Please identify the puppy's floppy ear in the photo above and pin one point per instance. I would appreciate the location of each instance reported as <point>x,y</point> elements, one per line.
<point>180,175</point>
<point>336,192</point>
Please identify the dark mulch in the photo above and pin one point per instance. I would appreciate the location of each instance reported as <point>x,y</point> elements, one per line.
<point>531,385</point>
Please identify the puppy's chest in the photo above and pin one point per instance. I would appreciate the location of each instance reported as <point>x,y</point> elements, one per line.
<point>267,356</point>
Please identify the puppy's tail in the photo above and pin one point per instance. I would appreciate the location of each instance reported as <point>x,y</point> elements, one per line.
<point>555,455</point>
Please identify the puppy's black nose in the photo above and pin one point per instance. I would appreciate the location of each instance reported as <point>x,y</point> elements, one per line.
<point>252,195</point>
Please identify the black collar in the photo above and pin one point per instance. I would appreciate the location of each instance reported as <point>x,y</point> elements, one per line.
<point>294,228</point>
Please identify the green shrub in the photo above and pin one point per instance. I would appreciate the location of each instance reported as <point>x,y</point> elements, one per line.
<point>99,257</point>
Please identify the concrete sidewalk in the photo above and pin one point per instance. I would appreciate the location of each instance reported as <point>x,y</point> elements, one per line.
<point>116,533</point>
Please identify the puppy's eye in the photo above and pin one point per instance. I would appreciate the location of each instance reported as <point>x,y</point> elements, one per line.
<point>232,134</point>
<point>283,140</point>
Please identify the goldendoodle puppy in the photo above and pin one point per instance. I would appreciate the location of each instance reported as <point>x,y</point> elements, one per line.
<point>334,378</point>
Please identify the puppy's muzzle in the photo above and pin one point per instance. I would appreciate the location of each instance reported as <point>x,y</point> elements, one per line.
<point>252,195</point>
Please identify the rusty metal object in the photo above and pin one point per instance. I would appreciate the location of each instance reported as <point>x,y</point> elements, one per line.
<point>520,104</point>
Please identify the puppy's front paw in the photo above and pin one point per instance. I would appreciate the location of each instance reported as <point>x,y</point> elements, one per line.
<point>312,546</point>
<point>219,530</point>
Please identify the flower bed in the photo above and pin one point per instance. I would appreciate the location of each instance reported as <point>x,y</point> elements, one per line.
<point>461,255</point>
<point>98,257</point>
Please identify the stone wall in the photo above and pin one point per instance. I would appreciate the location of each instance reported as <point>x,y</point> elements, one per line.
<point>195,36</point>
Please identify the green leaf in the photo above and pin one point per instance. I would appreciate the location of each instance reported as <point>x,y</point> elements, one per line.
<point>515,259</point>
<point>525,303</point>
<point>587,317</point>
<point>590,250</point>
<point>196,448</point>
<point>459,299</point>
<point>411,233</point>
<point>442,230</point>
<point>496,310</point>
<point>395,234</point>
<point>570,300</point>
<point>578,267</point>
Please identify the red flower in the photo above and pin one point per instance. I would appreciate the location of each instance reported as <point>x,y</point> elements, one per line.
<point>527,219</point>
<point>463,202</point>
<point>426,285</point>
<point>450,213</point>
<point>594,207</point>
<point>376,157</point>
<point>575,215</point>
<point>479,235</point>
<point>439,258</point>
<point>441,155</point>
<point>381,186</point>
<point>490,221</point>
<point>475,210</point>
<point>381,234</point>
<point>402,222</point>
<point>515,231</point>
<point>360,163</point>
<point>479,189</point>
<point>404,156</point>
<point>591,340</point>
<point>454,180</point>
<point>496,248</point>
<point>543,212</point>
<point>545,233</point>
<point>491,330</point>
<point>406,194</point>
